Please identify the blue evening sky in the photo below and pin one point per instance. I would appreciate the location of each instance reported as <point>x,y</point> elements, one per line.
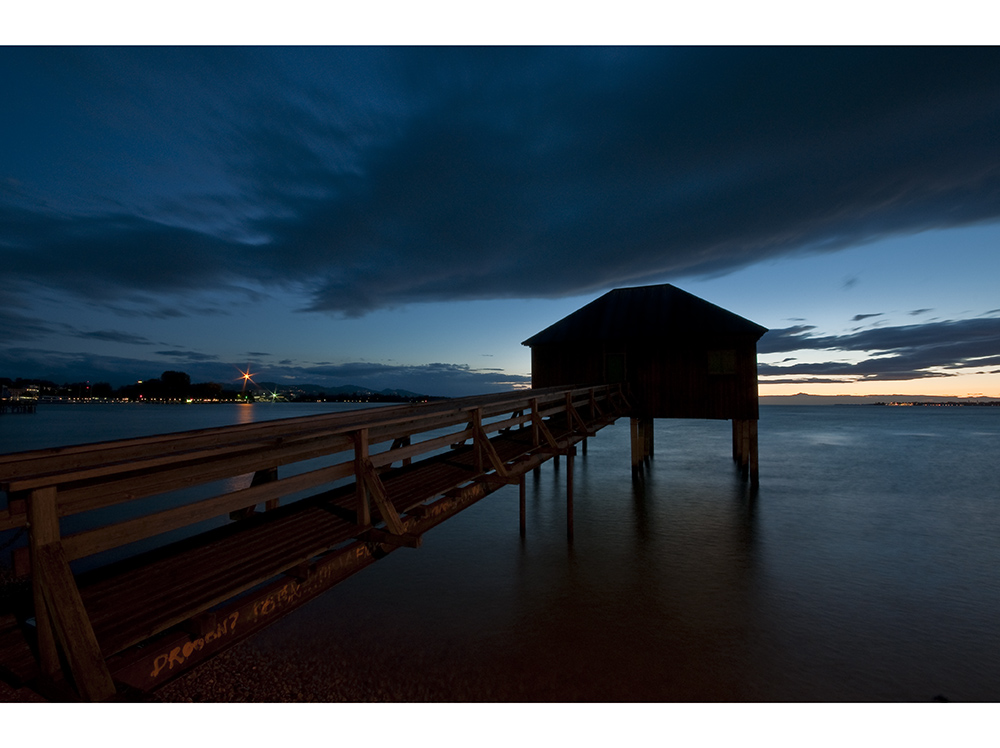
<point>404,217</point>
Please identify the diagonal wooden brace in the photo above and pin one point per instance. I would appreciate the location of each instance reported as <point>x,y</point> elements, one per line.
<point>536,420</point>
<point>72,625</point>
<point>595,410</point>
<point>469,431</point>
<point>574,415</point>
<point>381,499</point>
<point>625,405</point>
<point>491,453</point>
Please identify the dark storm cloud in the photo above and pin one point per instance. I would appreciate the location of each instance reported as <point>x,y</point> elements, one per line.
<point>904,352</point>
<point>188,355</point>
<point>785,339</point>
<point>109,256</point>
<point>437,372</point>
<point>367,178</point>
<point>150,309</point>
<point>114,336</point>
<point>17,326</point>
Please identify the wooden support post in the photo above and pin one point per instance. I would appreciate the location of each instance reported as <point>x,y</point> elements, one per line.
<point>403,441</point>
<point>647,426</point>
<point>72,625</point>
<point>477,443</point>
<point>536,433</point>
<point>360,457</point>
<point>569,492</point>
<point>59,613</point>
<point>736,440</point>
<point>259,478</point>
<point>754,467</point>
<point>266,476</point>
<point>521,503</point>
<point>745,447</point>
<point>636,444</point>
<point>43,529</point>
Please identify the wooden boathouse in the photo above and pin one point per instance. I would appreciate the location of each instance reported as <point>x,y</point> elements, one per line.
<point>284,510</point>
<point>678,356</point>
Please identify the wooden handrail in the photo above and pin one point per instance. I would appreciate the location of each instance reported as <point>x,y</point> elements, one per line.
<point>136,468</point>
<point>82,455</point>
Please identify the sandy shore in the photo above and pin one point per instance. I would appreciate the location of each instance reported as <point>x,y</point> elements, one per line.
<point>256,671</point>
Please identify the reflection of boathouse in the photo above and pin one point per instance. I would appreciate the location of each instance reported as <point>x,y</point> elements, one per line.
<point>680,356</point>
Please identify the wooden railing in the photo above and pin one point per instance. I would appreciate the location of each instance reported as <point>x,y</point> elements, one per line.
<point>46,486</point>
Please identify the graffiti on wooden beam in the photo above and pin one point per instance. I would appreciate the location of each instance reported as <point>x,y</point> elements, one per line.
<point>178,655</point>
<point>268,605</point>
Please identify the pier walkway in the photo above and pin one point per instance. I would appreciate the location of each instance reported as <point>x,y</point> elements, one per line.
<point>353,486</point>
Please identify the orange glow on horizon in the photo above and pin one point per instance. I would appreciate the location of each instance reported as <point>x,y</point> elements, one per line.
<point>980,384</point>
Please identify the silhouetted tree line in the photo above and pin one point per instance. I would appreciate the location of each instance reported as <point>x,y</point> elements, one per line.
<point>176,385</point>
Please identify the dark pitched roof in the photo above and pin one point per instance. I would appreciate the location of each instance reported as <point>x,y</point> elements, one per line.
<point>650,312</point>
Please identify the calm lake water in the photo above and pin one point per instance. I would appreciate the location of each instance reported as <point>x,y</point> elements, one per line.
<point>864,568</point>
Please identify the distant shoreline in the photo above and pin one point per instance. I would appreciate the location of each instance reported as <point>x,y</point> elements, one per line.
<point>259,401</point>
<point>884,400</point>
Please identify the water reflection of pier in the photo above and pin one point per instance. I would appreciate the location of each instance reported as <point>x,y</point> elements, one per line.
<point>385,476</point>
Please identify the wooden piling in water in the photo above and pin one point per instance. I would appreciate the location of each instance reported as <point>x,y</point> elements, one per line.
<point>521,505</point>
<point>569,492</point>
<point>635,431</point>
<point>745,449</point>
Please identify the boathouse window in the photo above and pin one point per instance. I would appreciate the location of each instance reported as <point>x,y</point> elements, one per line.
<point>721,362</point>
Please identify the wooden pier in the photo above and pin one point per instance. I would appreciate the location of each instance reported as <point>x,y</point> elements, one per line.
<point>338,492</point>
